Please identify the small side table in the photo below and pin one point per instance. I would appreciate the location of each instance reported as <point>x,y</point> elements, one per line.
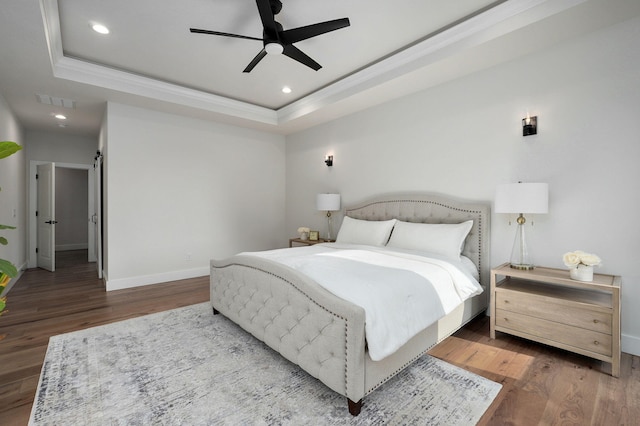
<point>308,242</point>
<point>545,305</point>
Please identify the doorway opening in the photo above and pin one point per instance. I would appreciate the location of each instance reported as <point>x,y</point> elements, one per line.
<point>70,227</point>
<point>72,211</point>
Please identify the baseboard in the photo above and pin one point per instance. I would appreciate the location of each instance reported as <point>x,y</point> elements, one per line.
<point>14,280</point>
<point>122,283</point>
<point>630,344</point>
<point>66,247</point>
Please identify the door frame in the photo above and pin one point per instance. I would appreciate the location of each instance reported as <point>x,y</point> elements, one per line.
<point>32,258</point>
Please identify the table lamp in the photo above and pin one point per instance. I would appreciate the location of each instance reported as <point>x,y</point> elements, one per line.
<point>329,203</point>
<point>521,198</point>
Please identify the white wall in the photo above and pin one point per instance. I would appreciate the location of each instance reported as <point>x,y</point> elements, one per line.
<point>181,191</point>
<point>13,210</point>
<point>464,137</point>
<point>72,212</point>
<point>60,148</point>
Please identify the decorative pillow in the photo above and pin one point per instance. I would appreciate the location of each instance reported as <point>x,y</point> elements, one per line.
<point>441,238</point>
<point>368,232</point>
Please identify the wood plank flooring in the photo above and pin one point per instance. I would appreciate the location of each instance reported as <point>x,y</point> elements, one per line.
<point>541,385</point>
<point>44,304</point>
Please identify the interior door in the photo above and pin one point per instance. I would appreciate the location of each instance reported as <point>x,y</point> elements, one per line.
<point>97,217</point>
<point>46,220</point>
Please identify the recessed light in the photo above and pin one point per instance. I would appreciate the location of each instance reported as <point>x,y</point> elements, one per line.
<point>99,28</point>
<point>60,117</point>
<point>286,89</point>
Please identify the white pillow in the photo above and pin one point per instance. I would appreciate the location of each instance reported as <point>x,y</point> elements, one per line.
<point>441,238</point>
<point>368,232</point>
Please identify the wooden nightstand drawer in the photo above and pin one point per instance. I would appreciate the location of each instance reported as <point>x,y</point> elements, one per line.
<point>564,311</point>
<point>557,333</point>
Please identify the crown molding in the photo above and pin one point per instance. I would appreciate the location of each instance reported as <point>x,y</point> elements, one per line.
<point>467,34</point>
<point>109,78</point>
<point>488,25</point>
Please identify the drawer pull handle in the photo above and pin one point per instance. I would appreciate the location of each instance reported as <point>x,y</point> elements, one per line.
<point>595,342</point>
<point>595,321</point>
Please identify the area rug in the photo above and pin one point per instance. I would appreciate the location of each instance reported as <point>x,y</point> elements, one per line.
<point>189,367</point>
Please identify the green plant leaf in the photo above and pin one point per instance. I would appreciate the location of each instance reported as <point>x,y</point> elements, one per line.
<point>7,267</point>
<point>8,148</point>
<point>7,227</point>
<point>3,241</point>
<point>3,304</point>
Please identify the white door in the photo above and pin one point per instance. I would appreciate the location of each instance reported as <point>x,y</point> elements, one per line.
<point>46,216</point>
<point>97,217</point>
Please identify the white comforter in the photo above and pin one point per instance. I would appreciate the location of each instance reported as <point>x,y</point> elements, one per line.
<point>402,293</point>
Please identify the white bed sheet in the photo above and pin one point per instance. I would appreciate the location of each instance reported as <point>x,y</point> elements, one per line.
<point>402,292</point>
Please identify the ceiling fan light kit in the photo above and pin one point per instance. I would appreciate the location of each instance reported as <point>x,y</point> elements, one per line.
<point>277,40</point>
<point>274,48</point>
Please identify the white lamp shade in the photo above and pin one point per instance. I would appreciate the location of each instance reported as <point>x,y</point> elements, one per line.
<point>522,198</point>
<point>328,202</point>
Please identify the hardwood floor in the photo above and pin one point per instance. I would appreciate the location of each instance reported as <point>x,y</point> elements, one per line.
<point>44,304</point>
<point>544,385</point>
<point>541,385</point>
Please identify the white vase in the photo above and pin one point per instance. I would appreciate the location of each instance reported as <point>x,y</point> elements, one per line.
<point>304,236</point>
<point>582,273</point>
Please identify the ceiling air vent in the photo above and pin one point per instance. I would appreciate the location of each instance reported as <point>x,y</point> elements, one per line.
<point>59,102</point>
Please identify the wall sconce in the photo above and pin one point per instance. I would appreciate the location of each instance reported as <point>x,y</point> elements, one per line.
<point>529,126</point>
<point>328,160</point>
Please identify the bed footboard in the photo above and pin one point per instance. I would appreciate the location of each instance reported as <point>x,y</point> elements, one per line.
<point>293,315</point>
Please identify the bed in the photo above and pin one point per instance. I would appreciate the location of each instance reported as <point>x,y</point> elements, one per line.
<point>325,334</point>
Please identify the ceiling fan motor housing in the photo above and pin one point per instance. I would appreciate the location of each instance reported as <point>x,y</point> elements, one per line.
<point>276,6</point>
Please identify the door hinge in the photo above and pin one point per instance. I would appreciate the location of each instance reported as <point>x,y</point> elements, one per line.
<point>37,176</point>
<point>36,249</point>
<point>36,213</point>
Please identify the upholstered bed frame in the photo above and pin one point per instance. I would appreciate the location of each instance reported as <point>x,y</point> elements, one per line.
<point>324,334</point>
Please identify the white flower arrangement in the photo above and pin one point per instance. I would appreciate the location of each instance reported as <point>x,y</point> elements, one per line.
<point>578,257</point>
<point>303,231</point>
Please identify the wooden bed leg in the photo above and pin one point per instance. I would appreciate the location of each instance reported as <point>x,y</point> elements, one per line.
<point>354,407</point>
<point>215,311</point>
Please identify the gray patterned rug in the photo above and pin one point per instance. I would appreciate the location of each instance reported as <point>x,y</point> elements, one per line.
<point>187,366</point>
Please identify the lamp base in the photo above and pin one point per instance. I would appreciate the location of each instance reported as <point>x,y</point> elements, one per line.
<point>521,267</point>
<point>328,226</point>
<point>520,256</point>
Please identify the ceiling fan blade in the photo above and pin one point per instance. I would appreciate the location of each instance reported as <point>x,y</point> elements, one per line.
<point>199,31</point>
<point>297,54</point>
<point>255,60</point>
<point>302,33</point>
<point>267,18</point>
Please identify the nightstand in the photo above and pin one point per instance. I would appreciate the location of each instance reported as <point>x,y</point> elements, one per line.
<point>546,306</point>
<point>308,242</point>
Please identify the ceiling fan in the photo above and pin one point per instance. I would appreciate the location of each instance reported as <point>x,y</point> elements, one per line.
<point>276,40</point>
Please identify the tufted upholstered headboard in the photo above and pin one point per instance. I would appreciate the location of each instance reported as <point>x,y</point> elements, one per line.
<point>431,208</point>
